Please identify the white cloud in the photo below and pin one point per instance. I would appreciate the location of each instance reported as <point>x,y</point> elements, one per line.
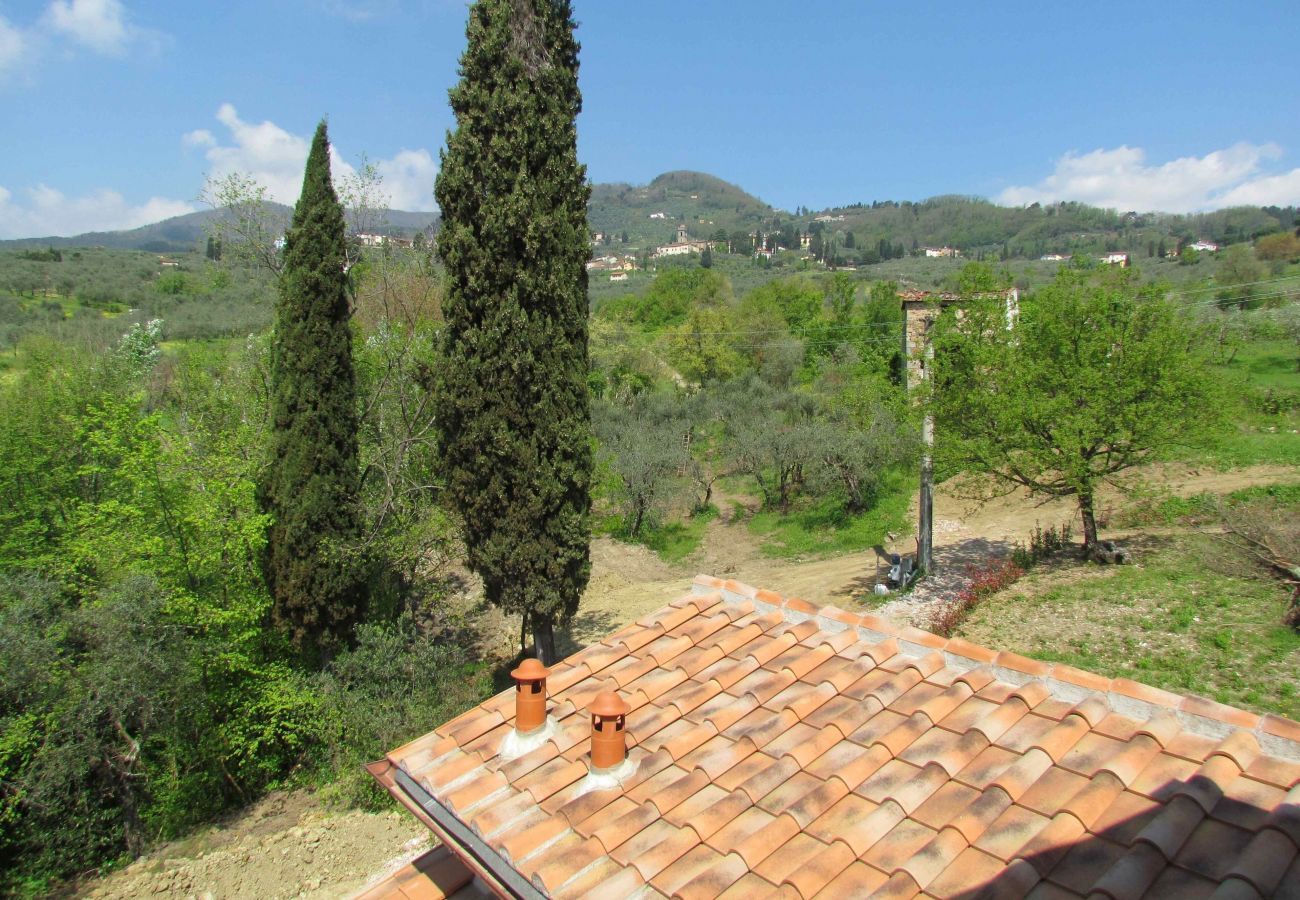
<point>199,137</point>
<point>268,153</point>
<point>102,26</point>
<point>1269,190</point>
<point>274,158</point>
<point>1121,179</point>
<point>98,24</point>
<point>13,47</point>
<point>408,179</point>
<point>46,211</point>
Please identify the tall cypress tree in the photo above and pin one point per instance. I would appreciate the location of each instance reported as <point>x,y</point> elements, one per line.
<point>513,409</point>
<point>311,483</point>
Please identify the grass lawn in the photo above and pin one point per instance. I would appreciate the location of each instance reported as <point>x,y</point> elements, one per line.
<point>1187,617</point>
<point>671,541</point>
<point>1258,434</point>
<point>1199,509</point>
<point>825,529</point>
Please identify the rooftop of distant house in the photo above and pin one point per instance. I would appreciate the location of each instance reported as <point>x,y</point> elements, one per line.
<point>777,748</point>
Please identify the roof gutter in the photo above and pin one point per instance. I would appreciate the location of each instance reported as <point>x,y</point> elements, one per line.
<point>495,869</point>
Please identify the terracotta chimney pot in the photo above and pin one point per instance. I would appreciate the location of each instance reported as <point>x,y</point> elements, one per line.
<point>608,730</point>
<point>530,695</point>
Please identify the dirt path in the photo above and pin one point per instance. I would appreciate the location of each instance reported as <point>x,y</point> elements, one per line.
<point>288,845</point>
<point>629,581</point>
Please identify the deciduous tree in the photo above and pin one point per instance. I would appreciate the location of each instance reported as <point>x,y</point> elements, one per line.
<point>1097,376</point>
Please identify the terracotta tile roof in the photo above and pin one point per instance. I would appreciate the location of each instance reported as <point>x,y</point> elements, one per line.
<point>779,749</point>
<point>436,875</point>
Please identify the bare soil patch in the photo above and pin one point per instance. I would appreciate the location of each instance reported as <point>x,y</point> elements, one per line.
<point>284,846</point>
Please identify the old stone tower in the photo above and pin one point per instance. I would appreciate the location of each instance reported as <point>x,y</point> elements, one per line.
<point>920,309</point>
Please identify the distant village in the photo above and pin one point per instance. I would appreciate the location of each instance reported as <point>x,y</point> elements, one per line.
<point>618,266</point>
<point>765,246</point>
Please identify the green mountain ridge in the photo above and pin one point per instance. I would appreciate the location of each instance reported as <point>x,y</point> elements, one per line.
<point>188,232</point>
<point>649,215</point>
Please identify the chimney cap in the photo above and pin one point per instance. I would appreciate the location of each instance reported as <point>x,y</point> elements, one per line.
<point>607,704</point>
<point>530,669</point>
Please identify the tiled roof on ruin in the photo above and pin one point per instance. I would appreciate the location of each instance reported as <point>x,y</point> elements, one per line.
<point>775,748</point>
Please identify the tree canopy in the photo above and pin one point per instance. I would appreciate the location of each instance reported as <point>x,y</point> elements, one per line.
<point>310,487</point>
<point>513,406</point>
<point>1097,376</point>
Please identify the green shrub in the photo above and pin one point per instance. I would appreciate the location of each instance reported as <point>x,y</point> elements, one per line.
<point>1044,543</point>
<point>398,683</point>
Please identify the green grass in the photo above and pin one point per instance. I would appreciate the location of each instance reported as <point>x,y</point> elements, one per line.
<point>671,541</point>
<point>825,529</point>
<point>674,541</point>
<point>1199,508</point>
<point>1257,436</point>
<point>1188,617</point>
<point>1268,364</point>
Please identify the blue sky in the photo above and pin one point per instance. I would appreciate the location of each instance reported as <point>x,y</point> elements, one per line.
<point>113,111</point>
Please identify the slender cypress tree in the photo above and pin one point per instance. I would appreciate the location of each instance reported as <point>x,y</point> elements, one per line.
<point>513,408</point>
<point>310,486</point>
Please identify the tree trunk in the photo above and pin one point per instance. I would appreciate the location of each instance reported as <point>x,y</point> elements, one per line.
<point>544,639</point>
<point>1089,524</point>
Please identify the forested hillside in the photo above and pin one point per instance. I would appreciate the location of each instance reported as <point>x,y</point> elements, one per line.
<point>640,217</point>
<point>189,232</point>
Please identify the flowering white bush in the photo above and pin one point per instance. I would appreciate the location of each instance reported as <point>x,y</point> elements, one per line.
<point>139,346</point>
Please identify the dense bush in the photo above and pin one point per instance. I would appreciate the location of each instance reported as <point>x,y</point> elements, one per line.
<point>399,681</point>
<point>1044,543</point>
<point>141,691</point>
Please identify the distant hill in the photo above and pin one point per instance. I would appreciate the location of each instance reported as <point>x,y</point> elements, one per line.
<point>172,235</point>
<point>974,225</point>
<point>649,215</point>
<point>190,232</point>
